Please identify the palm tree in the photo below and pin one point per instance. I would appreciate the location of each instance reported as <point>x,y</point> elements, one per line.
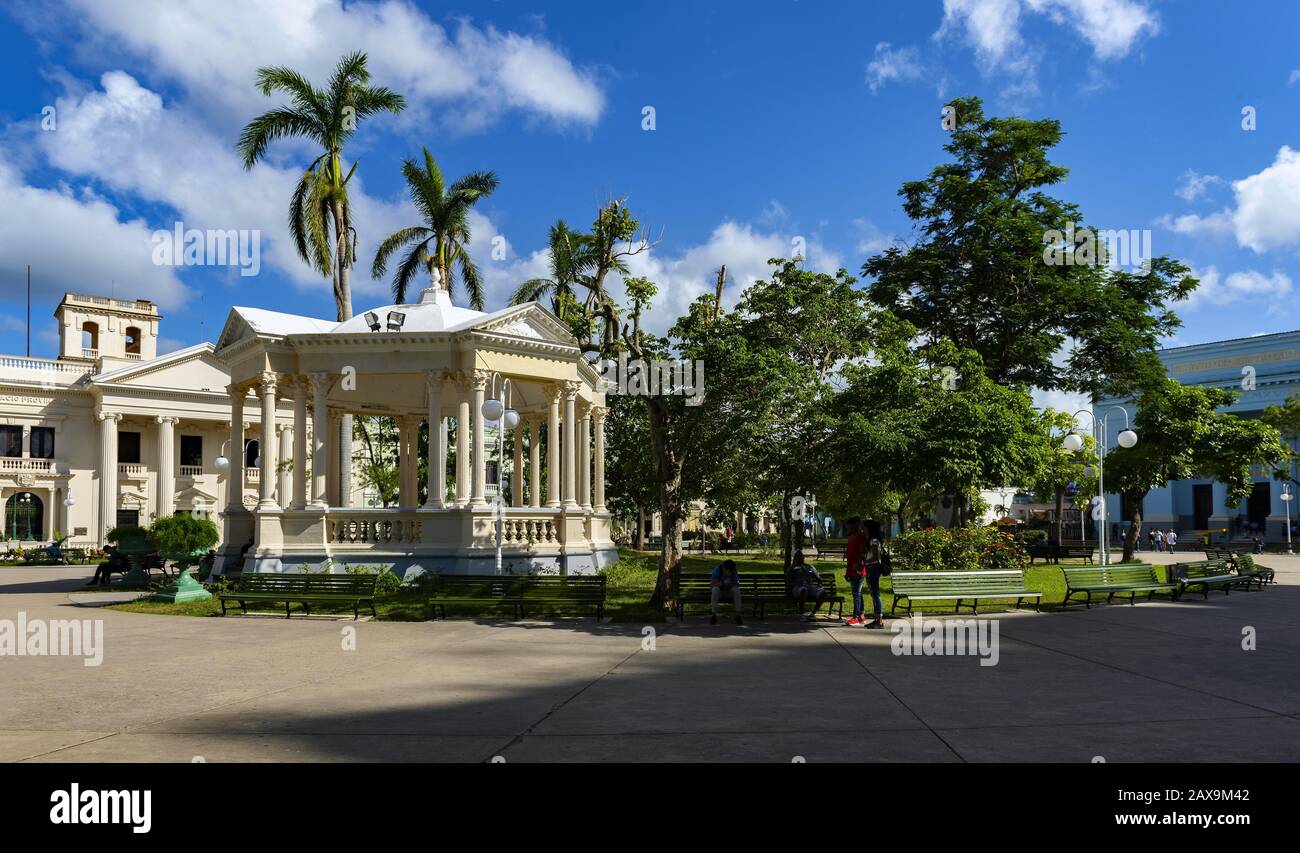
<point>320,218</point>
<point>445,211</point>
<point>570,260</point>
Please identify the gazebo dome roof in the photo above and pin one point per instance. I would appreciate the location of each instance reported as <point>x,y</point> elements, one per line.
<point>433,313</point>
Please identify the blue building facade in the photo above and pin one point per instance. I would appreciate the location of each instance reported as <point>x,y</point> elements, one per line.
<point>1264,371</point>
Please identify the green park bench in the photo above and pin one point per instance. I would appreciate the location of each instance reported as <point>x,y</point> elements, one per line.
<point>961,586</point>
<point>302,588</point>
<point>757,589</point>
<point>1112,580</point>
<point>1251,572</point>
<point>1051,553</point>
<point>766,588</point>
<point>1206,574</point>
<point>518,592</point>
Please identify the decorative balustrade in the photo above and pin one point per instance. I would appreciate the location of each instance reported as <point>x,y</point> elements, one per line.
<point>252,475</point>
<point>36,466</point>
<point>131,469</point>
<point>44,365</point>
<point>375,530</point>
<point>524,532</point>
<point>191,471</point>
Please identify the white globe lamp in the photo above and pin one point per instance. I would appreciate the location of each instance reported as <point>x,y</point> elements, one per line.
<point>1073,442</point>
<point>1127,438</point>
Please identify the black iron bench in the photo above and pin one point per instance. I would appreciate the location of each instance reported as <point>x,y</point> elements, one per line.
<point>961,586</point>
<point>518,592</point>
<point>1132,578</point>
<point>302,588</point>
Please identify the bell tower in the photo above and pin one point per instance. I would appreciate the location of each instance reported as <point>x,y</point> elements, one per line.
<point>94,327</point>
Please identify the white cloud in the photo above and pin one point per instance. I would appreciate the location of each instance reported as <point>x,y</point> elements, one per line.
<point>1061,401</point>
<point>871,240</point>
<point>1268,205</point>
<point>1265,215</point>
<point>75,241</point>
<point>1194,185</point>
<point>889,64</point>
<point>1295,75</point>
<point>1217,290</point>
<point>993,29</point>
<point>214,50</point>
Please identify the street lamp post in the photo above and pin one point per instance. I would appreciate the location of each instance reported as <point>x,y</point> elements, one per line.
<point>1074,442</point>
<point>1286,502</point>
<point>497,409</point>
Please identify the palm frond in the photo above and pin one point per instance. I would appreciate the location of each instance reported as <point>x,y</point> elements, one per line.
<point>270,126</point>
<point>408,268</point>
<point>392,243</point>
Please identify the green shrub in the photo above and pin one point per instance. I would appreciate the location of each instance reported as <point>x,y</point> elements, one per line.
<point>180,536</point>
<point>958,549</point>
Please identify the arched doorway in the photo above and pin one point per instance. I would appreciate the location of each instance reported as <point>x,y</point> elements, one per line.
<point>25,517</point>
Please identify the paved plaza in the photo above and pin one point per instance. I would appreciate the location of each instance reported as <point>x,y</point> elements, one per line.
<point>1152,682</point>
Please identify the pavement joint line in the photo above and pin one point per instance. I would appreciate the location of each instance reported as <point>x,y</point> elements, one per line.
<point>65,747</point>
<point>897,698</point>
<point>1148,677</point>
<point>519,738</point>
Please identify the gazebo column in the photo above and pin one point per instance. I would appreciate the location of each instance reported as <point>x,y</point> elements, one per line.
<point>517,477</point>
<point>284,483</point>
<point>408,472</point>
<point>570,445</point>
<point>553,449</point>
<point>584,461</point>
<point>235,480</point>
<point>535,462</point>
<point>333,497</point>
<point>166,503</point>
<point>598,414</point>
<point>320,427</point>
<point>299,499</point>
<point>108,422</point>
<point>437,442</point>
<point>462,446</point>
<point>480,433</point>
<point>267,445</point>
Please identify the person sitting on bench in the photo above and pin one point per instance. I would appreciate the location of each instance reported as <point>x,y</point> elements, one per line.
<point>805,584</point>
<point>116,562</point>
<point>725,580</point>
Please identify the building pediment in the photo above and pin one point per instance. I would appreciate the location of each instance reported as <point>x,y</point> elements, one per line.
<point>192,369</point>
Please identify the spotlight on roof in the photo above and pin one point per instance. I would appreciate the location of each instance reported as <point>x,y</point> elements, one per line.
<point>395,321</point>
<point>372,320</point>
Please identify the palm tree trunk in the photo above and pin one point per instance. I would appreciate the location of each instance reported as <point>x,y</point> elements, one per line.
<point>344,297</point>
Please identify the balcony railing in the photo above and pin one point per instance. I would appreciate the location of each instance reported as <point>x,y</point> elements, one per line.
<point>252,475</point>
<point>86,352</point>
<point>16,463</point>
<point>131,469</point>
<point>191,471</point>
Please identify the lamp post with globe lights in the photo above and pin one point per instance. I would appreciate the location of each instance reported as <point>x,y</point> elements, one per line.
<point>496,409</point>
<point>1286,502</point>
<point>1073,442</point>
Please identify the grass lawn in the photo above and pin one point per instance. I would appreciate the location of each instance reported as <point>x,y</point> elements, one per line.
<point>630,583</point>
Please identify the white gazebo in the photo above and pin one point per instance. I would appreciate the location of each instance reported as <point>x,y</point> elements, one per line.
<point>429,361</point>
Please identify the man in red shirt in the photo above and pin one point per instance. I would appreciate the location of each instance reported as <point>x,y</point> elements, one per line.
<point>854,552</point>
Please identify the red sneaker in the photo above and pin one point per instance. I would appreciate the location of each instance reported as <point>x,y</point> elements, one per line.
<point>855,621</point>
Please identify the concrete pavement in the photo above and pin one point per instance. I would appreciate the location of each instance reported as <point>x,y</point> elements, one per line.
<point>1153,682</point>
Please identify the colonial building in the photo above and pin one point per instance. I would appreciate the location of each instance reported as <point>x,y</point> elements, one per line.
<point>247,431</point>
<point>1264,371</point>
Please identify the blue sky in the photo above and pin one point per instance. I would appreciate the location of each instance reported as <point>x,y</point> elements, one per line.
<point>773,121</point>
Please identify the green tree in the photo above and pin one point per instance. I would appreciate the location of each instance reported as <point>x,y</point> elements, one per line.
<point>1063,468</point>
<point>978,274</point>
<point>1286,420</point>
<point>1183,435</point>
<point>445,211</point>
<point>936,426</point>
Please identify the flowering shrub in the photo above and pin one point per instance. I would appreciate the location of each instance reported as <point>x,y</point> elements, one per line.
<point>957,549</point>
